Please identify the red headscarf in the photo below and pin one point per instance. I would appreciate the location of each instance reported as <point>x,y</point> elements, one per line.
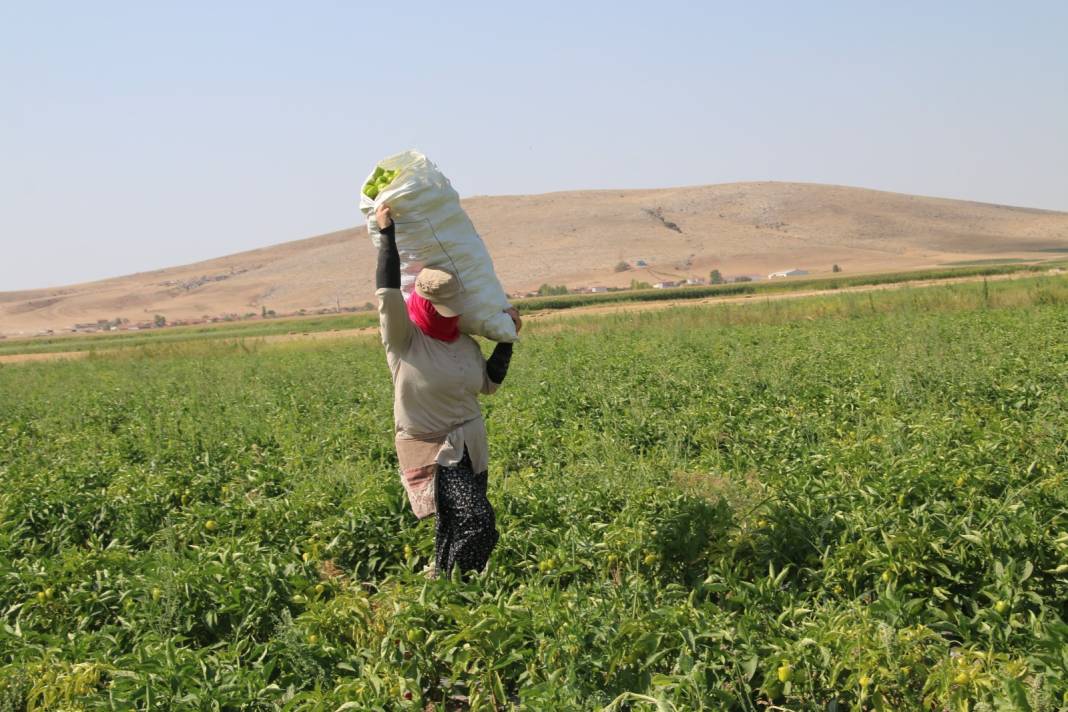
<point>426,317</point>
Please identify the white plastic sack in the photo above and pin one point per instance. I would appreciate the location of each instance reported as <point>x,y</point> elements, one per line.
<point>434,231</point>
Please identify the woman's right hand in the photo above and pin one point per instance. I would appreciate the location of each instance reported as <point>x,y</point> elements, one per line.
<point>514,313</point>
<point>383,216</point>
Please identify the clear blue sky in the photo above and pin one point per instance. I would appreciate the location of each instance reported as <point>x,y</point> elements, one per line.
<point>139,135</point>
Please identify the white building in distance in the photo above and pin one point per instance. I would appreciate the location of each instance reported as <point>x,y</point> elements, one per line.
<point>788,273</point>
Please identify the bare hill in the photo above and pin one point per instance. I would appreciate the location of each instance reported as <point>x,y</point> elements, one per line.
<point>578,239</point>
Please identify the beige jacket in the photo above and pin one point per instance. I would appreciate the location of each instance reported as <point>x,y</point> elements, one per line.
<point>436,385</point>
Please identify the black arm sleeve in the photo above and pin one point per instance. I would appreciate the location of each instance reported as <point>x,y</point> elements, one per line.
<point>497,363</point>
<point>388,274</point>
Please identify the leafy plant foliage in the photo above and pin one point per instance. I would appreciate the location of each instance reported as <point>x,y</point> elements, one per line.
<point>851,502</point>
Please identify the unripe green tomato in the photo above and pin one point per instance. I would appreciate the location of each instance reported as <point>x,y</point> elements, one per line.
<point>320,589</point>
<point>1001,607</point>
<point>211,525</point>
<point>313,639</point>
<point>785,672</point>
<point>415,635</point>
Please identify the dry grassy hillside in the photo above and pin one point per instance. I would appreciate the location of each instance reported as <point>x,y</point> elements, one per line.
<point>577,239</point>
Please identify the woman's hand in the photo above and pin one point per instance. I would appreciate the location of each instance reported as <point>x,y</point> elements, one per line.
<point>514,313</point>
<point>383,216</point>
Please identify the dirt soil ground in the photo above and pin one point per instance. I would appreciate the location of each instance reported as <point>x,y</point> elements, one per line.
<point>579,239</point>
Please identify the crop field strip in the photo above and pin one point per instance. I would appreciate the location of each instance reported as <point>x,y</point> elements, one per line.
<point>294,326</point>
<point>369,326</point>
<point>849,501</point>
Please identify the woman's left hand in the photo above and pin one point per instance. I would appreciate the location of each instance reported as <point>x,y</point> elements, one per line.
<point>514,313</point>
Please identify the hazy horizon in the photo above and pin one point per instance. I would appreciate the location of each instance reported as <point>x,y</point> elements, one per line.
<point>136,138</point>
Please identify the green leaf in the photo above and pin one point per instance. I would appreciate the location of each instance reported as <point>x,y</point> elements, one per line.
<point>749,667</point>
<point>1017,695</point>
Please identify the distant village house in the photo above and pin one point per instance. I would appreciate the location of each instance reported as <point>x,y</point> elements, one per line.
<point>788,273</point>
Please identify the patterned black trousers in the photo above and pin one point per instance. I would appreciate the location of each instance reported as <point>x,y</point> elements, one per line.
<point>466,529</point>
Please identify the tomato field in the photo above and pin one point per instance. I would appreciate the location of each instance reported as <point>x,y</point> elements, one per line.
<point>842,502</point>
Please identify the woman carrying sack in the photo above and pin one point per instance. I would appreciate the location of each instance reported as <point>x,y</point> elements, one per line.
<point>438,374</point>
